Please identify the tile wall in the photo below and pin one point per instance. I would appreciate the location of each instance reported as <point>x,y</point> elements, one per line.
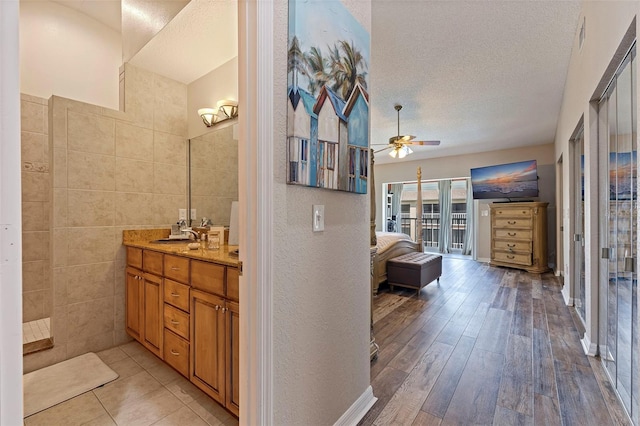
<point>111,170</point>
<point>36,282</point>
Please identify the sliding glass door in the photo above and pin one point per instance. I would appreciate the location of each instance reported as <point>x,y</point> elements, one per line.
<point>618,187</point>
<point>578,235</point>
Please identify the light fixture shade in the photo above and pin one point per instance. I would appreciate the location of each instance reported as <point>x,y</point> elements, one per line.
<point>393,153</point>
<point>228,108</point>
<point>208,116</point>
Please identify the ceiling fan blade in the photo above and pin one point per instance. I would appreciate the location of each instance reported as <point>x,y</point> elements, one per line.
<point>383,149</point>
<point>401,139</point>
<point>430,143</point>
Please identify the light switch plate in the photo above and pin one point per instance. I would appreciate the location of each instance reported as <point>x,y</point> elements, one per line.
<point>182,214</point>
<point>193,214</point>
<point>318,217</point>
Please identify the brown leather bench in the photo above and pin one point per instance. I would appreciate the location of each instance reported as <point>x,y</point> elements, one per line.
<point>414,270</point>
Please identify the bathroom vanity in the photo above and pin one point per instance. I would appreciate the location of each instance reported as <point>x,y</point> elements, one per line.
<point>183,306</point>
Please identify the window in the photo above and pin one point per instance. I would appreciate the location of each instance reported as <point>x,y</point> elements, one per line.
<point>364,163</point>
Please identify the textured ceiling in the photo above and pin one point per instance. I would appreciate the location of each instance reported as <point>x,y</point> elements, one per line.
<point>477,75</point>
<point>105,11</point>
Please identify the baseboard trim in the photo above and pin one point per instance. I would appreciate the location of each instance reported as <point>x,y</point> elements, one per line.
<point>567,300</point>
<point>358,409</point>
<point>484,259</point>
<point>590,349</point>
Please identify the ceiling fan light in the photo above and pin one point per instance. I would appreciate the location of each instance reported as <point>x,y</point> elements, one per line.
<point>394,153</point>
<point>407,149</point>
<point>402,152</point>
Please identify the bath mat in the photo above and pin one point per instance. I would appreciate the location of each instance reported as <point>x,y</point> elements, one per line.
<point>57,383</point>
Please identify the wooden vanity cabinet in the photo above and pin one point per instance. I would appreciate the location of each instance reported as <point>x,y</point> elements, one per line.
<point>187,312</point>
<point>215,333</point>
<point>144,298</point>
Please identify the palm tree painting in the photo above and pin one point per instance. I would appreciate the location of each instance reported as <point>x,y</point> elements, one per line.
<point>327,98</point>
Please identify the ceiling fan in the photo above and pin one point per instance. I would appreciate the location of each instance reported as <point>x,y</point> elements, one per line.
<point>399,145</point>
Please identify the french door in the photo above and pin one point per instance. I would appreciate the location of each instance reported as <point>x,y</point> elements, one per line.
<point>617,138</point>
<point>578,235</point>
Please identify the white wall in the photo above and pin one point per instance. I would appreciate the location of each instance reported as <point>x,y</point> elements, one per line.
<point>205,92</point>
<point>606,24</point>
<point>321,283</point>
<point>66,53</point>
<point>10,221</point>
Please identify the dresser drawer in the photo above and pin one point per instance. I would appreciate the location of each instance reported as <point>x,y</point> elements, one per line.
<point>134,257</point>
<point>208,277</point>
<point>512,212</point>
<point>503,222</point>
<point>176,294</point>
<point>516,234</point>
<point>506,245</point>
<point>517,258</point>
<point>152,262</point>
<point>176,268</point>
<point>176,352</point>
<point>176,321</point>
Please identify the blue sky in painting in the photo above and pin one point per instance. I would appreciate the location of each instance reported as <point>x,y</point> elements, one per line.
<point>321,23</point>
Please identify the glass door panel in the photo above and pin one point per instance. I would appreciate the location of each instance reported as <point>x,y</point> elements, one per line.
<point>578,173</point>
<point>619,241</point>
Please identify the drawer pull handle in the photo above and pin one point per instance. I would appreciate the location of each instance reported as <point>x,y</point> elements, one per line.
<point>511,245</point>
<point>174,294</point>
<point>511,222</point>
<point>217,307</point>
<point>510,257</point>
<point>174,322</point>
<point>175,268</point>
<point>175,353</point>
<point>511,234</point>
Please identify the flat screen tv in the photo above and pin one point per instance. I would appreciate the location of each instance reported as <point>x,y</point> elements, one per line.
<point>513,180</point>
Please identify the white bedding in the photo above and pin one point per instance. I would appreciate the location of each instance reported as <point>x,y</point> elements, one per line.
<point>386,239</point>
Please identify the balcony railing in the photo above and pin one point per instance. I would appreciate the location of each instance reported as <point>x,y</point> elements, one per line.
<point>431,229</point>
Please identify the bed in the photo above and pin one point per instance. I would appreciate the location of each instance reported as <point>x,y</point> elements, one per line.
<point>389,245</point>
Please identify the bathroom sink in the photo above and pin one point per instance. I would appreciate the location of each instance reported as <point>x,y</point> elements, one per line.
<point>171,240</point>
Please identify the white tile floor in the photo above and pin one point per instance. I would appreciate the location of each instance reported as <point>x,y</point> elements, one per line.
<point>33,331</point>
<point>148,392</point>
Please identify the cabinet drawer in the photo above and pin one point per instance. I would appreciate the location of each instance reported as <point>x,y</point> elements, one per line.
<point>518,258</point>
<point>516,234</point>
<point>512,212</point>
<point>134,257</point>
<point>176,294</point>
<point>176,268</point>
<point>176,352</point>
<point>176,321</point>
<point>506,245</point>
<point>208,277</point>
<point>501,222</point>
<point>233,282</point>
<point>152,262</point>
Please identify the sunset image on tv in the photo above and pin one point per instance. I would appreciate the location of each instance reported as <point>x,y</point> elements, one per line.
<point>513,180</point>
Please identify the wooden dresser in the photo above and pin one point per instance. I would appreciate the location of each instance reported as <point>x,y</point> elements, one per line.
<point>519,235</point>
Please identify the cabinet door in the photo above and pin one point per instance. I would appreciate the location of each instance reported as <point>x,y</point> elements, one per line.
<point>134,303</point>
<point>208,344</point>
<point>232,401</point>
<point>153,316</point>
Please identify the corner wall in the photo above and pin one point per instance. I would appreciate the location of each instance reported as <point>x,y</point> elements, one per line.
<point>321,281</point>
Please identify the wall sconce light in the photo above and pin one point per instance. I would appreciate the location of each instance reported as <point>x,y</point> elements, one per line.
<point>225,110</point>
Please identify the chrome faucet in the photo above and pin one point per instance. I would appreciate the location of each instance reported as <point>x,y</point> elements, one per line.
<point>196,236</point>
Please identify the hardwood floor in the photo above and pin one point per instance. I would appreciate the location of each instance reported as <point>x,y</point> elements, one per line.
<point>489,346</point>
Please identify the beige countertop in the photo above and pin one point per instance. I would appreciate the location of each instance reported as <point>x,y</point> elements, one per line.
<point>142,238</point>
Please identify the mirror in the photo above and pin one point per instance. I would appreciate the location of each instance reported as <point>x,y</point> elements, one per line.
<point>213,174</point>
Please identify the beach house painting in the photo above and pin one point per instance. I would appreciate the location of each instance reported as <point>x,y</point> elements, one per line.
<point>327,98</point>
